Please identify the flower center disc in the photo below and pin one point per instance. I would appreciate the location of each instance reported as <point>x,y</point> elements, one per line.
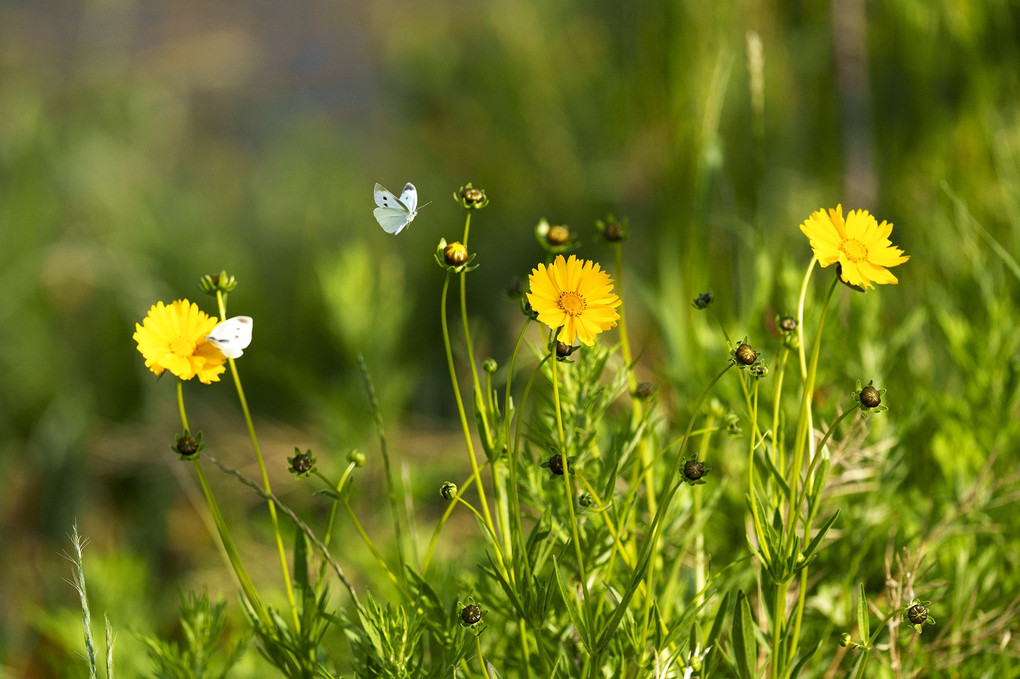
<point>854,250</point>
<point>180,346</point>
<point>571,303</point>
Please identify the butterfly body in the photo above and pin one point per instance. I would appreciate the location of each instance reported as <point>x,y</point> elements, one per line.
<point>232,336</point>
<point>394,214</point>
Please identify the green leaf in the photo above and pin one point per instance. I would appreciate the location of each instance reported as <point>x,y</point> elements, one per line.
<point>569,602</point>
<point>821,534</point>
<point>778,477</point>
<point>804,660</point>
<point>745,646</point>
<point>863,619</point>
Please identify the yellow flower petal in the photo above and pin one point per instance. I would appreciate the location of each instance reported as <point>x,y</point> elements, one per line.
<point>172,337</point>
<point>858,243</point>
<point>575,296</point>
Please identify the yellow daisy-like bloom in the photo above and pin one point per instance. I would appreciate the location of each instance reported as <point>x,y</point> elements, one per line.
<point>575,295</point>
<point>173,338</point>
<point>859,243</point>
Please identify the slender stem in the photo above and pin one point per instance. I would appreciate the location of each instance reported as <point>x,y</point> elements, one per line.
<point>658,521</point>
<point>800,317</point>
<point>478,396</point>
<point>478,648</point>
<point>328,536</point>
<point>233,556</point>
<point>180,406</point>
<point>568,490</point>
<point>288,586</point>
<point>805,432</point>
<point>763,544</point>
<point>463,415</point>
<point>247,586</point>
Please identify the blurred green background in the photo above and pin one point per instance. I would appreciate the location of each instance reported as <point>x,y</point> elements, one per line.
<point>143,145</point>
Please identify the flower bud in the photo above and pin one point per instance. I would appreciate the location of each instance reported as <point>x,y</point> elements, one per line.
<point>613,230</point>
<point>703,300</point>
<point>187,446</point>
<point>556,465</point>
<point>745,354</point>
<point>845,639</point>
<point>563,350</point>
<point>455,254</point>
<point>787,324</point>
<point>356,457</point>
<point>448,490</point>
<point>694,469</point>
<point>471,614</point>
<point>585,500</point>
<point>470,197</point>
<point>490,366</point>
<point>645,390</point>
<point>870,397</point>
<point>917,614</point>
<point>558,235</point>
<point>218,282</point>
<point>760,370</point>
<point>302,464</point>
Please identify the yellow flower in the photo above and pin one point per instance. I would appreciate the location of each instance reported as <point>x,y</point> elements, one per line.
<point>859,243</point>
<point>173,338</point>
<point>576,296</point>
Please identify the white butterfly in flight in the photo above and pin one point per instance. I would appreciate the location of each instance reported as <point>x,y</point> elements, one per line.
<point>232,336</point>
<point>394,214</point>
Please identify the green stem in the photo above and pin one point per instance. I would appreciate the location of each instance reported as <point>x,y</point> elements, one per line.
<point>288,586</point>
<point>763,544</point>
<point>233,556</point>
<point>568,490</point>
<point>657,521</point>
<point>476,474</point>
<point>805,430</point>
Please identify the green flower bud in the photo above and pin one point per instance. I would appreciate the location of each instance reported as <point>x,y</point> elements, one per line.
<point>448,490</point>
<point>356,457</point>
<point>218,282</point>
<point>471,198</point>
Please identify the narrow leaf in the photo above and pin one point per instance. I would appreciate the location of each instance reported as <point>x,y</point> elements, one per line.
<point>569,602</point>
<point>863,619</point>
<point>744,643</point>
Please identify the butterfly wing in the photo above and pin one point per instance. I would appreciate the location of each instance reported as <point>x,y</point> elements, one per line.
<point>409,197</point>
<point>383,198</point>
<point>232,336</point>
<point>393,219</point>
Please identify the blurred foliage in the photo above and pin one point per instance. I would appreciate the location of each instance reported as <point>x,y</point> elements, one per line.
<point>143,145</point>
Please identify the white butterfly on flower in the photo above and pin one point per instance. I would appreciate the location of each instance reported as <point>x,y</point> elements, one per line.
<point>232,336</point>
<point>394,214</point>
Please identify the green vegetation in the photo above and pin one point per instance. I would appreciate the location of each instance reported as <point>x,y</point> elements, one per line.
<point>653,504</point>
